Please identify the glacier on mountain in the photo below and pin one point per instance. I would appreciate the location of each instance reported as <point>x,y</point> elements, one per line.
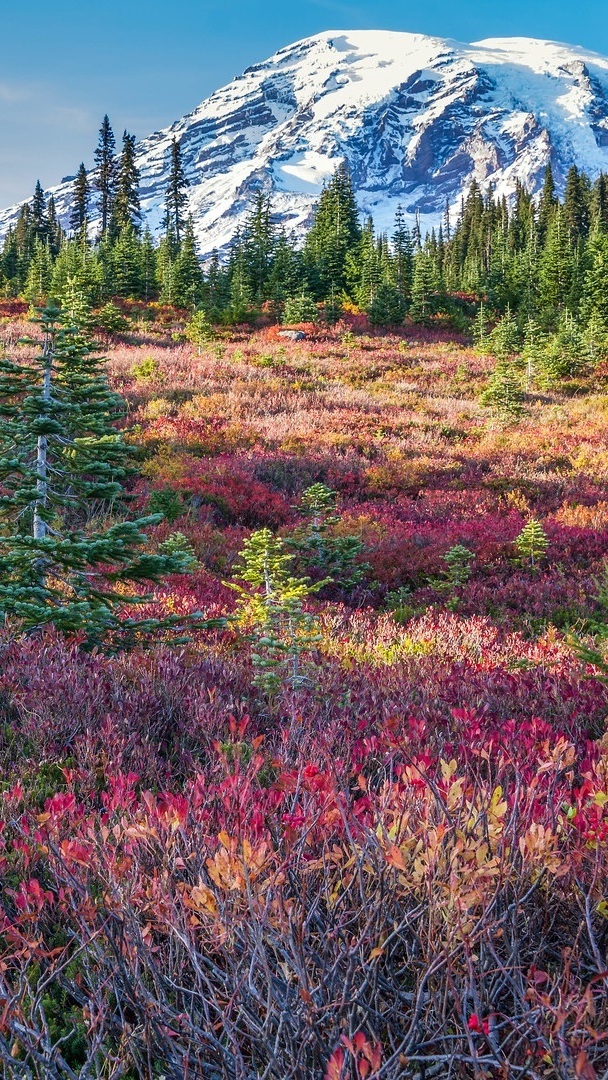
<point>416,118</point>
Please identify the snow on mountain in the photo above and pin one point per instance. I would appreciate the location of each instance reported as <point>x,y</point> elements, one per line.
<point>416,118</point>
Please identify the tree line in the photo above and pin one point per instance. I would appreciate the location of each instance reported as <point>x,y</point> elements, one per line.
<point>543,259</point>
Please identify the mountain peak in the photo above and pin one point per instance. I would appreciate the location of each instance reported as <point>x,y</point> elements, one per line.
<point>416,118</point>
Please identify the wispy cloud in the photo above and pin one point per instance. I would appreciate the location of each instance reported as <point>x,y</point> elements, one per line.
<point>11,93</point>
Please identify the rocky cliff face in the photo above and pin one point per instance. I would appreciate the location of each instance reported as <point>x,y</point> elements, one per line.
<point>416,118</point>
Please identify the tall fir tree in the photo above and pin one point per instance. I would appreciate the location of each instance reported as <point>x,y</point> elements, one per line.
<point>176,196</point>
<point>105,173</point>
<point>599,205</point>
<point>335,232</point>
<point>556,267</point>
<point>258,244</point>
<point>595,301</point>
<point>39,223</point>
<point>216,288</point>
<point>576,210</point>
<point>126,210</point>
<point>403,252</point>
<point>55,231</point>
<point>148,264</point>
<point>285,272</point>
<point>548,202</point>
<point>81,194</point>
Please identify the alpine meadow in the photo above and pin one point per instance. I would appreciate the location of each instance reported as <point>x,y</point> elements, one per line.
<point>304,579</point>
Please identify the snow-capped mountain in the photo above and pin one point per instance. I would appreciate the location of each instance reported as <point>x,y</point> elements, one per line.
<point>415,117</point>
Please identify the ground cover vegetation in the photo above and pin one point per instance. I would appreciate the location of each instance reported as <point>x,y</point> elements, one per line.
<point>354,824</point>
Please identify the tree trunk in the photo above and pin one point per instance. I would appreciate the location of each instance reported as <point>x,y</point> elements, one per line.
<point>40,527</point>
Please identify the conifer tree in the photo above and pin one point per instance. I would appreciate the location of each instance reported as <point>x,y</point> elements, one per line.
<point>363,267</point>
<point>77,265</point>
<point>199,330</point>
<point>556,266</point>
<point>62,470</point>
<point>81,193</point>
<point>548,202</point>
<point>10,260</point>
<point>23,243</point>
<point>324,554</point>
<point>240,304</point>
<point>105,173</point>
<point>186,272</point>
<point>599,205</point>
<point>126,210</point>
<point>176,196</point>
<point>334,233</point>
<point>417,233</point>
<point>56,234</point>
<point>532,542</point>
<point>563,355</point>
<point>576,204</point>
<point>424,287</point>
<point>285,273</point>
<point>388,307</point>
<point>40,274</point>
<point>165,257</point>
<point>125,264</point>
<point>534,343</point>
<point>503,394</point>
<point>39,224</point>
<point>403,250</point>
<point>480,328</point>
<point>300,309</point>
<point>505,337</point>
<point>258,244</point>
<point>216,288</point>
<point>148,267</point>
<point>270,612</point>
<point>596,279</point>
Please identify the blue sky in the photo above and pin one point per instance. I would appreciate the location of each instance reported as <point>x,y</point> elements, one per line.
<point>64,64</point>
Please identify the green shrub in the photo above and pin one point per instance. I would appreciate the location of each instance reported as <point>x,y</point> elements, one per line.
<point>148,369</point>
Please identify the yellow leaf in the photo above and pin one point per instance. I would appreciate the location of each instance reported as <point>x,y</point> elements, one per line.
<point>448,768</point>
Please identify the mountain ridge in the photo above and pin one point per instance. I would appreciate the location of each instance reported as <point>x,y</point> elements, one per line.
<point>417,118</point>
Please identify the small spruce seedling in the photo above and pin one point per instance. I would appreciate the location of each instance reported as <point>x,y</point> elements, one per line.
<point>532,543</point>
